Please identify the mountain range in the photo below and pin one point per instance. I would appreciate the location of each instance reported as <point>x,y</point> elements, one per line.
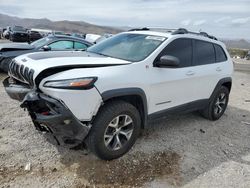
<point>66,26</point>
<point>84,27</point>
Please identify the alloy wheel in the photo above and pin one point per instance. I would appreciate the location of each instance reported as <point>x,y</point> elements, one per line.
<point>220,103</point>
<point>118,132</point>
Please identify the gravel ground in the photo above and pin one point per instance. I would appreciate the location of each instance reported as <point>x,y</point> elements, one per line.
<point>241,65</point>
<point>184,150</point>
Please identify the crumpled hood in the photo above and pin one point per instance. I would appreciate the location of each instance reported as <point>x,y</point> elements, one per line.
<point>43,61</point>
<point>15,46</point>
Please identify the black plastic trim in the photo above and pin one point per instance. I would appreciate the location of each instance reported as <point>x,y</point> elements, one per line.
<point>220,83</point>
<point>60,122</point>
<point>181,109</point>
<point>123,92</point>
<point>16,91</point>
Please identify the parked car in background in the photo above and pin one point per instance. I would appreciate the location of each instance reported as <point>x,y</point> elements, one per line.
<point>92,37</point>
<point>79,35</point>
<point>43,32</point>
<point>8,51</point>
<point>18,34</point>
<point>104,37</point>
<point>6,32</point>
<point>33,36</point>
<point>58,33</point>
<point>248,56</point>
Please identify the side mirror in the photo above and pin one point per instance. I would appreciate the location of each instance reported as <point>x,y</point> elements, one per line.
<point>168,61</point>
<point>46,48</point>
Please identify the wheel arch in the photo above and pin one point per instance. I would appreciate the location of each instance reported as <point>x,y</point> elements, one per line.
<point>135,96</point>
<point>227,82</point>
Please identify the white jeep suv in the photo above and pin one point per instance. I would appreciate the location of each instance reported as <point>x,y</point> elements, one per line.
<point>104,96</point>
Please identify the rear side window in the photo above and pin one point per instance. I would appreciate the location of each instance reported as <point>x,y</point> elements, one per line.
<point>62,45</point>
<point>180,48</point>
<point>80,46</point>
<point>204,53</point>
<point>220,54</point>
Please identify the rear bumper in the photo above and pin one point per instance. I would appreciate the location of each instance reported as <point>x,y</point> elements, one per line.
<point>49,115</point>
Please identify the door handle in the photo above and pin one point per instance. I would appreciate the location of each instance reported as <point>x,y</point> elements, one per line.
<point>190,73</point>
<point>218,69</point>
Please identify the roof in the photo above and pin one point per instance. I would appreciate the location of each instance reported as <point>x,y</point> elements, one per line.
<point>156,33</point>
<point>163,32</point>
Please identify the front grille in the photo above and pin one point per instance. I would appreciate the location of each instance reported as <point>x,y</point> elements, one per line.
<point>21,73</point>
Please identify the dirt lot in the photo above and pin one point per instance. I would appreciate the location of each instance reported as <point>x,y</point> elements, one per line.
<point>181,151</point>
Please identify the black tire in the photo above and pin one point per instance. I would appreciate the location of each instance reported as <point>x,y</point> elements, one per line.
<point>212,111</point>
<point>109,112</point>
<point>5,67</point>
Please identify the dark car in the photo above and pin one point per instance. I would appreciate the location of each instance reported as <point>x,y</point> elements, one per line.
<point>18,34</point>
<point>34,35</point>
<point>8,51</point>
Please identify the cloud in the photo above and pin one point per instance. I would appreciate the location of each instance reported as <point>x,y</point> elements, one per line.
<point>222,19</point>
<point>240,21</point>
<point>209,15</point>
<point>199,22</point>
<point>186,22</point>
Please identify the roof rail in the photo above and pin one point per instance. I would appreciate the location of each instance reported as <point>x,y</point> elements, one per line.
<point>180,31</point>
<point>140,29</point>
<point>174,31</point>
<point>185,31</point>
<point>160,29</point>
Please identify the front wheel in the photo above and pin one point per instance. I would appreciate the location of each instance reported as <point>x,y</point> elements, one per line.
<point>217,105</point>
<point>114,130</point>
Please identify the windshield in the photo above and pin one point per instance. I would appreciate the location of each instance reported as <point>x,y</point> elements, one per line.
<point>41,42</point>
<point>128,46</point>
<point>20,29</point>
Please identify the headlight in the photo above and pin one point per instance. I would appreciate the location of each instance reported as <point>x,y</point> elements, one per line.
<point>76,83</point>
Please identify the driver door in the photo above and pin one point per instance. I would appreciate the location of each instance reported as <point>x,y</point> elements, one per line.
<point>173,86</point>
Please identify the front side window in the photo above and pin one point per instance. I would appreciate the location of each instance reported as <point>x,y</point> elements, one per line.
<point>61,45</point>
<point>181,49</point>
<point>128,46</point>
<point>18,29</point>
<point>203,53</point>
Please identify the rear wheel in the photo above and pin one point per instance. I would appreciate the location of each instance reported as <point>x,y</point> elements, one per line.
<point>114,130</point>
<point>217,105</point>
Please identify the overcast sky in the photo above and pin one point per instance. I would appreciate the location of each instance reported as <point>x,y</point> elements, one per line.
<point>223,18</point>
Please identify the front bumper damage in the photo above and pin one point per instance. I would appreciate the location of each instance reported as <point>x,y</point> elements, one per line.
<point>50,116</point>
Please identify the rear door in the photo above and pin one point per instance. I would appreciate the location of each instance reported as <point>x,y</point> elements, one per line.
<point>64,45</point>
<point>206,68</point>
<point>80,46</point>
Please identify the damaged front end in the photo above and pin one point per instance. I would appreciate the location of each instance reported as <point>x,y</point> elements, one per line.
<point>49,115</point>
